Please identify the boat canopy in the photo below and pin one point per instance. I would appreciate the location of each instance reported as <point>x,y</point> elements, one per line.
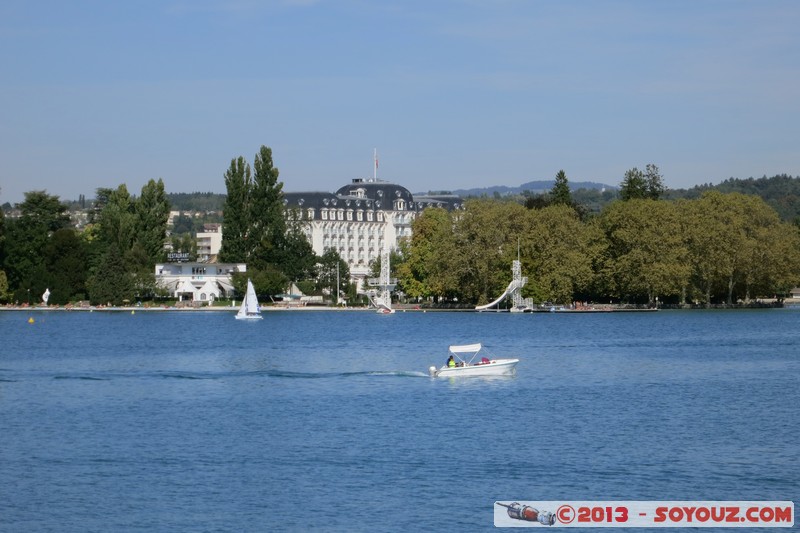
<point>466,348</point>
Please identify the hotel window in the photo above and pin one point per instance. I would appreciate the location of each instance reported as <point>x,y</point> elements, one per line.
<point>359,215</point>
<point>369,216</point>
<point>324,214</point>
<point>380,216</point>
<point>349,214</point>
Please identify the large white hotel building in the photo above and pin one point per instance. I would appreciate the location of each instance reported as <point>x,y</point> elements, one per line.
<point>361,218</point>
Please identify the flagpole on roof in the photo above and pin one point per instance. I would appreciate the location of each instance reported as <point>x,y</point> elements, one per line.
<point>375,166</point>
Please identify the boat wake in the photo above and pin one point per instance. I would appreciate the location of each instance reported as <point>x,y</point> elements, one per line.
<point>278,374</point>
<point>324,375</point>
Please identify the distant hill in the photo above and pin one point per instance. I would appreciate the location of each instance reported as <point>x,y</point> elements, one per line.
<point>535,187</point>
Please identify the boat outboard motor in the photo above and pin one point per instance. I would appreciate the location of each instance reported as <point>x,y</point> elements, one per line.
<point>529,514</point>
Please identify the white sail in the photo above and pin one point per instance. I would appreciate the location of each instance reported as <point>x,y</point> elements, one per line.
<point>250,308</point>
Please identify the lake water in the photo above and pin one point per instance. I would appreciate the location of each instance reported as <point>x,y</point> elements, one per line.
<point>328,421</point>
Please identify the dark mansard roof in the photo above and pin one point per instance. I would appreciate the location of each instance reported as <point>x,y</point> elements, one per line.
<point>369,195</point>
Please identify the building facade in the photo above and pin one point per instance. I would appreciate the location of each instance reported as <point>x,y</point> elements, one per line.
<point>361,219</point>
<point>209,242</point>
<point>196,281</point>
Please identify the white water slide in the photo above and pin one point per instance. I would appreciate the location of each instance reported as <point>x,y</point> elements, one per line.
<point>514,286</point>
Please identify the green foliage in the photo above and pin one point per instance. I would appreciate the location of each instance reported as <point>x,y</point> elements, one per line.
<point>65,259</point>
<point>560,193</point>
<point>152,213</point>
<point>111,282</point>
<point>558,254</point>
<point>294,256</point>
<point>266,221</point>
<point>328,273</point>
<point>183,224</point>
<point>3,287</point>
<point>197,201</point>
<point>718,248</point>
<point>268,281</point>
<point>638,185</point>
<point>184,242</point>
<point>25,240</point>
<point>426,270</point>
<point>646,254</point>
<point>238,182</point>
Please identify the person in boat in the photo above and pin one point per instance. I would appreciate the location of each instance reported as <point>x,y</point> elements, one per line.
<point>451,363</point>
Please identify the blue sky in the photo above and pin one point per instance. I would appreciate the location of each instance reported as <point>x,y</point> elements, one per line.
<point>452,93</point>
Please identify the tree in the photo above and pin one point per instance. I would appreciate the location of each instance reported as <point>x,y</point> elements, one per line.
<point>654,182</point>
<point>117,218</point>
<point>646,253</point>
<point>182,224</point>
<point>426,271</point>
<point>184,242</point>
<point>557,254</point>
<point>66,263</point>
<point>476,257</point>
<point>721,240</point>
<point>236,247</point>
<point>3,286</point>
<point>152,210</point>
<point>634,185</point>
<point>111,282</point>
<point>640,185</point>
<point>26,237</point>
<point>267,225</point>
<point>560,193</point>
<point>295,257</point>
<point>331,268</point>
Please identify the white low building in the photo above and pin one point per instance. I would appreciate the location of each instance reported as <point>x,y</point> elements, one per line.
<point>198,282</point>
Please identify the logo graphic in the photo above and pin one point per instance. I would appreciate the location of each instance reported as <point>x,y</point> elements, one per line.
<point>529,514</point>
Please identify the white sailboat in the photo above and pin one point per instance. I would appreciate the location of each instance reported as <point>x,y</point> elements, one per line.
<point>250,310</point>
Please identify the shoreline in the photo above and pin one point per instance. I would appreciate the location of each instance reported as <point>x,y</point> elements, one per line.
<point>400,309</point>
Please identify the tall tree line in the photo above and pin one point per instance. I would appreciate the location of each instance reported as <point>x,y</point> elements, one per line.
<point>112,260</point>
<point>719,248</point>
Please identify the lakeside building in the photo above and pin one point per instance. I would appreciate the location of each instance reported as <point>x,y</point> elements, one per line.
<point>197,281</point>
<point>361,219</point>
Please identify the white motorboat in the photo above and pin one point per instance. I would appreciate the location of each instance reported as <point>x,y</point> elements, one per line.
<point>464,363</point>
<point>250,310</point>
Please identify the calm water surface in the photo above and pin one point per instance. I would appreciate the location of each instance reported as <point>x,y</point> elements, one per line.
<point>328,420</point>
